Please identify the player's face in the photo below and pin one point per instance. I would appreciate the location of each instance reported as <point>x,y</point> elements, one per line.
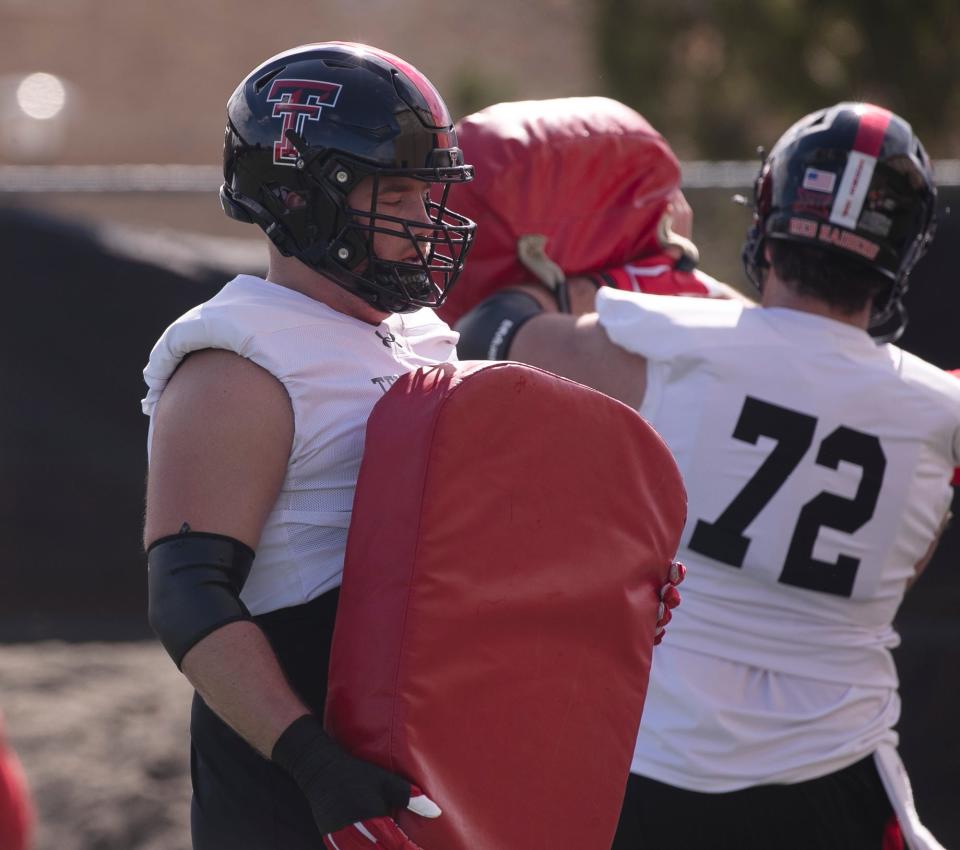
<point>396,197</point>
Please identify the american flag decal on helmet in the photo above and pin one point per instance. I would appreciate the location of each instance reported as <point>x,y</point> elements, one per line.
<point>817,180</point>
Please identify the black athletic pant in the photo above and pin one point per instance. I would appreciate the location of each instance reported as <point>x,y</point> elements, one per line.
<point>846,810</point>
<point>241,801</point>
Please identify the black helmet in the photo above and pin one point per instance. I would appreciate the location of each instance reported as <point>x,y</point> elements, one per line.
<point>306,127</point>
<point>855,180</point>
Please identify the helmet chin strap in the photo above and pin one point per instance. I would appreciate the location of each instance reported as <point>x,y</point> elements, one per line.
<point>751,255</point>
<point>377,286</point>
<point>889,324</point>
<point>415,284</point>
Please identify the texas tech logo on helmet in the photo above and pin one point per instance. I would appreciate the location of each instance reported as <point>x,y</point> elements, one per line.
<point>296,101</point>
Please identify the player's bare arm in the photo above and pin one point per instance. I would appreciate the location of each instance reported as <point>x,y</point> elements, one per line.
<point>222,435</point>
<point>581,294</point>
<point>579,348</point>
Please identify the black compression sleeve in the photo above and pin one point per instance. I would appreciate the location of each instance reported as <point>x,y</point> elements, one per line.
<point>487,331</point>
<point>194,582</point>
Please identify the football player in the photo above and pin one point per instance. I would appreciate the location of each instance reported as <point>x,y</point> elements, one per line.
<point>258,401</point>
<point>818,458</point>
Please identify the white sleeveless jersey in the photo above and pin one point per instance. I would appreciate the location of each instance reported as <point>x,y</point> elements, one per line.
<point>334,368</point>
<point>818,469</point>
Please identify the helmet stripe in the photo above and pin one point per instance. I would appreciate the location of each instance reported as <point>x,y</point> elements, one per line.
<point>438,109</point>
<point>874,121</point>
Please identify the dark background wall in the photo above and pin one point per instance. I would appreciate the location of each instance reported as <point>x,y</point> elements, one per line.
<point>80,318</point>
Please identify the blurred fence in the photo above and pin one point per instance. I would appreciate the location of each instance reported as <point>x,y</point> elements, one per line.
<point>697,174</point>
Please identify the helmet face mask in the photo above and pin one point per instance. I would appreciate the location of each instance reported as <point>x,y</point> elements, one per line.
<point>855,181</point>
<point>420,255</point>
<point>314,138</point>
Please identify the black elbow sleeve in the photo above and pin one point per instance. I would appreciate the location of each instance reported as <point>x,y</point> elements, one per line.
<point>194,582</point>
<point>487,331</point>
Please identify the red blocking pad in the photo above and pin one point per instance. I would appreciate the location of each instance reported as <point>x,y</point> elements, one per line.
<point>511,531</point>
<point>589,173</point>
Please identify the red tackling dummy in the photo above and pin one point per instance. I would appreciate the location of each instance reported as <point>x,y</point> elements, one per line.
<point>589,173</point>
<point>511,534</point>
<point>16,815</point>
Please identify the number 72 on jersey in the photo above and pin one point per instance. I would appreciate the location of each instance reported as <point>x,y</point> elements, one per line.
<point>793,432</point>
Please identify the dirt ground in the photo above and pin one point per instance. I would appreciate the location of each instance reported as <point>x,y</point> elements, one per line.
<point>101,730</point>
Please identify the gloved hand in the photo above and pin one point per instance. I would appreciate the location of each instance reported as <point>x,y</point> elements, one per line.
<point>341,790</point>
<point>669,599</point>
<point>382,832</point>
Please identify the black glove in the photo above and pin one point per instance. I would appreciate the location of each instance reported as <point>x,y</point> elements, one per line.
<point>341,789</point>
